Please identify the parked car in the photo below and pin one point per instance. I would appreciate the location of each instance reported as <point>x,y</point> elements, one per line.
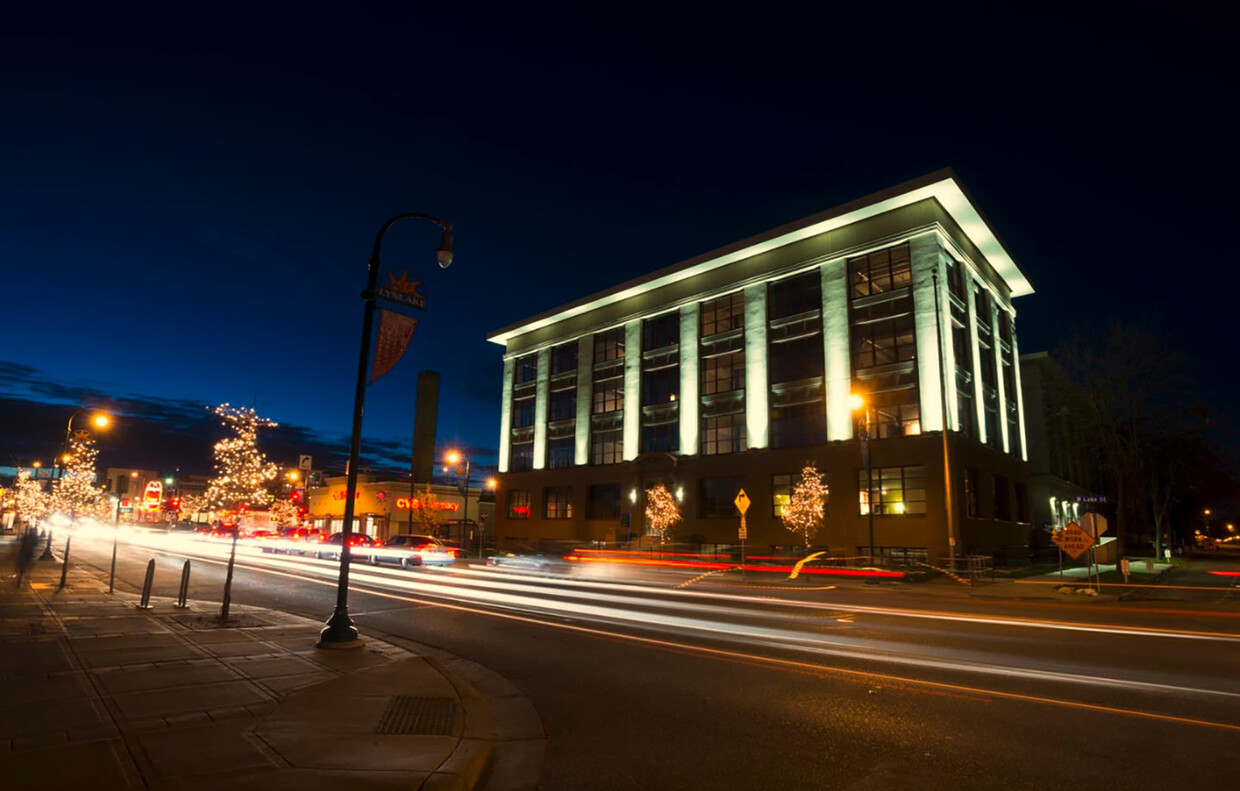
<point>330,549</point>
<point>414,550</point>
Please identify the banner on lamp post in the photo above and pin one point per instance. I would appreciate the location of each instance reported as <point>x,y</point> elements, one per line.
<point>395,332</point>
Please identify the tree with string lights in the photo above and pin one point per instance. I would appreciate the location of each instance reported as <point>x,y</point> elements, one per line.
<point>662,512</point>
<point>30,500</point>
<point>242,472</point>
<point>804,513</point>
<point>75,492</point>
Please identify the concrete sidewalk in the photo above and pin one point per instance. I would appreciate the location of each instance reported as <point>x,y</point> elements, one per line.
<point>95,692</point>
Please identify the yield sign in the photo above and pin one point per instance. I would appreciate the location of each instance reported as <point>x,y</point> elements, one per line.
<point>1073,540</point>
<point>742,502</point>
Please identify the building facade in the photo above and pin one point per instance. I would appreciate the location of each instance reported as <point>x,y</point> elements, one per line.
<point>732,370</point>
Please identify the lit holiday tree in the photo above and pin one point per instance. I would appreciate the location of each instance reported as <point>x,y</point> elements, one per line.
<point>662,512</point>
<point>75,492</point>
<point>284,514</point>
<point>31,502</point>
<point>803,515</point>
<point>242,472</point>
<point>426,515</point>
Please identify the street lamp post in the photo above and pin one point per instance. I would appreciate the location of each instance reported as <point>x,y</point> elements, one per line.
<point>340,631</point>
<point>456,457</point>
<point>859,403</point>
<point>100,420</point>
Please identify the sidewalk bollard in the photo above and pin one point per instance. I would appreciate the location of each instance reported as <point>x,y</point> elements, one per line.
<point>181,605</point>
<point>64,567</point>
<point>145,603</point>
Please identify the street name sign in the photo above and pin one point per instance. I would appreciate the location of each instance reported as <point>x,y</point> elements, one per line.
<point>1073,540</point>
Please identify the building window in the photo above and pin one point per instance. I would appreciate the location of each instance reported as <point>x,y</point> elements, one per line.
<point>798,425</point>
<point>795,295</point>
<point>661,332</point>
<point>609,345</point>
<point>523,411</point>
<point>608,396</point>
<point>558,502</point>
<point>881,271</point>
<point>723,374</point>
<point>603,501</point>
<point>564,358</point>
<point>526,369</point>
<point>970,494</point>
<point>882,333</point>
<point>796,359</point>
<point>717,495</point>
<point>563,404</point>
<point>560,452</point>
<point>660,386</point>
<point>1003,499</point>
<point>723,434</point>
<point>722,315</point>
<point>897,491</point>
<point>899,420</point>
<point>663,437</point>
<point>607,447</point>
<point>522,456</point>
<point>518,504</point>
<point>781,493</point>
<point>1022,503</point>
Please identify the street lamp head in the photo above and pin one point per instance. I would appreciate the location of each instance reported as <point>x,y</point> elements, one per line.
<point>453,457</point>
<point>444,253</point>
<point>100,420</point>
<point>856,401</point>
<point>492,483</point>
<point>37,464</point>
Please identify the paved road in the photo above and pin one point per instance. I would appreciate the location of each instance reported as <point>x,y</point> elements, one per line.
<point>647,686</point>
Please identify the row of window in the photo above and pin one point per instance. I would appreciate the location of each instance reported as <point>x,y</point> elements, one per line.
<point>883,355</point>
<point>890,491</point>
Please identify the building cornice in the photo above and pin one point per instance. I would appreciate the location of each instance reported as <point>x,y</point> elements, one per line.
<point>941,186</point>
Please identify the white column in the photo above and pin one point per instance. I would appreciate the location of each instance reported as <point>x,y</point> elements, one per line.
<point>979,395</point>
<point>505,415</point>
<point>924,254</point>
<point>997,348</point>
<point>541,393</point>
<point>838,379</point>
<point>1020,396</point>
<point>689,378</point>
<point>757,413</point>
<point>585,385</point>
<point>632,388</point>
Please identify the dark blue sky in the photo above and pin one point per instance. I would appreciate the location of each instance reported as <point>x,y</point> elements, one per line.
<point>188,197</point>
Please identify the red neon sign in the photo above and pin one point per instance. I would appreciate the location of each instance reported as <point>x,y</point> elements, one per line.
<point>439,505</point>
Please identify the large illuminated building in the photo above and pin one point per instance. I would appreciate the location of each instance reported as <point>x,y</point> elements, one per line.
<point>733,369</point>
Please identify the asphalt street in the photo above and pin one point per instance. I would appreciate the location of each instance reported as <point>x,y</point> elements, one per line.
<point>641,684</point>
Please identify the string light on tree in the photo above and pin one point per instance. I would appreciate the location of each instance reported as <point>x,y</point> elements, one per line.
<point>804,513</point>
<point>75,491</point>
<point>662,512</point>
<point>242,472</point>
<point>30,500</point>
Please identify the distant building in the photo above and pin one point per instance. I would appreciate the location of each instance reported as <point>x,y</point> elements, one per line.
<point>731,370</point>
<point>382,509</point>
<point>1062,467</point>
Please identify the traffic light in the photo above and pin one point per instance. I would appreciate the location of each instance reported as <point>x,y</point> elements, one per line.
<point>295,496</point>
<point>174,504</point>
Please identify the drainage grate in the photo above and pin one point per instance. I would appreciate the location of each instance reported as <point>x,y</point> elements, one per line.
<point>406,714</point>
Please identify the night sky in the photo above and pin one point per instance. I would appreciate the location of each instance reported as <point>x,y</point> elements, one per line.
<point>187,202</point>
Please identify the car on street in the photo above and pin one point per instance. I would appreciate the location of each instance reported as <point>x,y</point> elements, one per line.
<point>410,550</point>
<point>528,561</point>
<point>330,549</point>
